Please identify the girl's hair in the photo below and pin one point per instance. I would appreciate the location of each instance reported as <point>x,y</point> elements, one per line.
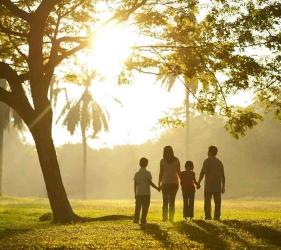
<point>168,154</point>
<point>189,165</point>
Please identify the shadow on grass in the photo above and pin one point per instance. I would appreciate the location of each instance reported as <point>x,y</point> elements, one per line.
<point>259,231</point>
<point>13,232</point>
<point>113,217</point>
<point>203,233</point>
<point>158,234</point>
<point>221,230</point>
<point>49,217</point>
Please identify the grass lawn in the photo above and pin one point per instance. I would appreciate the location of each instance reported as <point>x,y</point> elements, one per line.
<point>245,225</point>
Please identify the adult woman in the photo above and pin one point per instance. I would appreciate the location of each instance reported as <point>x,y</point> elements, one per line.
<point>169,182</point>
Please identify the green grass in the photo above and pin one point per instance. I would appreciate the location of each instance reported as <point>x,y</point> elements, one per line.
<point>244,225</point>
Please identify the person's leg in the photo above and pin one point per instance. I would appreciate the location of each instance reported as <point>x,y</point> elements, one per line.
<point>207,205</point>
<point>217,200</point>
<point>191,197</point>
<point>185,203</point>
<point>137,209</point>
<point>165,195</point>
<point>173,193</point>
<point>145,207</point>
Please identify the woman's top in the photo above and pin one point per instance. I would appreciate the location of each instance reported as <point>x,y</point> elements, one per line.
<point>170,172</point>
<point>188,180</point>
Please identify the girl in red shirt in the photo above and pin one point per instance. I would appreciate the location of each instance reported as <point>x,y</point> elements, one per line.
<point>188,182</point>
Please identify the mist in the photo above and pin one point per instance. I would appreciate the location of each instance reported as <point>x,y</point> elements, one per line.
<point>252,163</point>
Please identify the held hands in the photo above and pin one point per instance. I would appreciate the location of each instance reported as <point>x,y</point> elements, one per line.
<point>223,189</point>
<point>198,186</point>
<point>159,188</point>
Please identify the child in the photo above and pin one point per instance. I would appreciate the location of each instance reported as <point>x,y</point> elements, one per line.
<point>142,183</point>
<point>188,190</point>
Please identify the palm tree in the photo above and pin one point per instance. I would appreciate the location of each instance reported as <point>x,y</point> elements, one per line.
<point>87,114</point>
<point>7,116</point>
<point>191,86</point>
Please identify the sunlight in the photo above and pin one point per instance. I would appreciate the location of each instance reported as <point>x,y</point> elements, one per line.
<point>111,47</point>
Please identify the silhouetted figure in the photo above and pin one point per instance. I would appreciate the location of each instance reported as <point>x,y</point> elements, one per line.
<point>142,183</point>
<point>213,171</point>
<point>169,182</point>
<point>188,182</point>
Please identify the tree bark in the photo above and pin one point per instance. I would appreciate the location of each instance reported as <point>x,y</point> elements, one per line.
<point>59,203</point>
<point>1,158</point>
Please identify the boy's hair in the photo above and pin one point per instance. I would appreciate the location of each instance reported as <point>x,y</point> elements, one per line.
<point>213,150</point>
<point>189,165</point>
<point>143,162</point>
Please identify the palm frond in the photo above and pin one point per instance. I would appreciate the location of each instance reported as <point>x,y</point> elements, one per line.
<point>99,119</point>
<point>72,119</point>
<point>167,80</point>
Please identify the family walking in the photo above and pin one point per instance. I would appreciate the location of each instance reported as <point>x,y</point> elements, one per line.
<point>170,176</point>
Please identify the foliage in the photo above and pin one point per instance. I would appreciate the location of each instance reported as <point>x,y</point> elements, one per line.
<point>229,48</point>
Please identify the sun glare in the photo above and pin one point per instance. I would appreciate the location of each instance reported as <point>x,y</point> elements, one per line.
<point>110,48</point>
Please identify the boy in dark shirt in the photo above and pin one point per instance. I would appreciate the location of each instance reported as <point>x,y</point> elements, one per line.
<point>188,182</point>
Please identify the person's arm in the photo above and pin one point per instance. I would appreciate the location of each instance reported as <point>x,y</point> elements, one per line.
<point>194,180</point>
<point>223,180</point>
<point>202,173</point>
<point>153,185</point>
<point>160,175</point>
<point>179,169</point>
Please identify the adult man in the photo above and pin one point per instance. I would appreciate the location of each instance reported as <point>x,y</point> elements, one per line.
<point>213,171</point>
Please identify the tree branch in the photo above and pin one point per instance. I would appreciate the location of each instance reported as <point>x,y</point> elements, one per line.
<point>160,46</point>
<point>15,10</point>
<point>73,8</point>
<point>5,97</point>
<point>124,15</point>
<point>9,74</point>
<point>72,39</point>
<point>17,48</point>
<point>45,8</point>
<point>70,52</point>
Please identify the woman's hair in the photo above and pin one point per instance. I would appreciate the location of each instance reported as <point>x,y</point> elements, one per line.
<point>189,165</point>
<point>168,154</point>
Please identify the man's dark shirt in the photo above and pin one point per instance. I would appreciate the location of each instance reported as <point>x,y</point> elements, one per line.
<point>214,174</point>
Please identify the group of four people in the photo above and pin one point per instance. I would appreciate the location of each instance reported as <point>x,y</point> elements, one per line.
<point>170,176</point>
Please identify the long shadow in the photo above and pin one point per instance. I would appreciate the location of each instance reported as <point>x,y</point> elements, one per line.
<point>12,232</point>
<point>202,233</point>
<point>266,233</point>
<point>112,217</point>
<point>158,234</point>
<point>219,229</point>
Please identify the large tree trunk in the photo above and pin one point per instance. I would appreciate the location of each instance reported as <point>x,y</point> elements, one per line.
<point>60,205</point>
<point>1,157</point>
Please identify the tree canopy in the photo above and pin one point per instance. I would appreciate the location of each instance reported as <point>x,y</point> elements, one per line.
<point>226,46</point>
